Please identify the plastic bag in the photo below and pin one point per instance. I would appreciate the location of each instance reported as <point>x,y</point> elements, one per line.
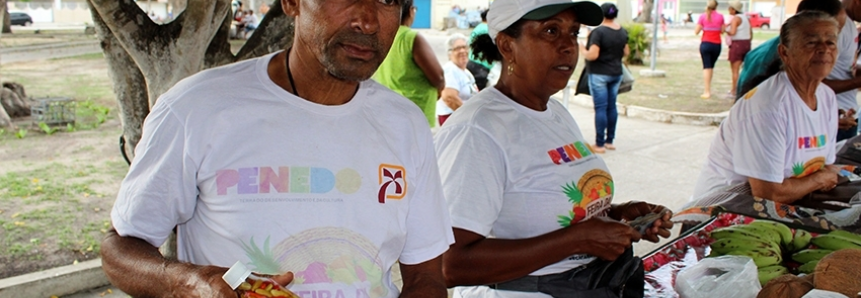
<point>823,294</point>
<point>724,276</point>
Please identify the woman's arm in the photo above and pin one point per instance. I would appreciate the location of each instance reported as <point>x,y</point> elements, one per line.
<point>793,189</point>
<point>502,260</point>
<point>698,29</point>
<point>733,26</point>
<point>451,99</point>
<point>426,60</point>
<point>626,52</point>
<point>592,53</point>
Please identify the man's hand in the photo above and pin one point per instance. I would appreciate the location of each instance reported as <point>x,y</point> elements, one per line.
<point>846,119</point>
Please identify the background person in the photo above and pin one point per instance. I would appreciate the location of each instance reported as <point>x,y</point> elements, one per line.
<point>263,168</point>
<point>603,52</point>
<point>780,136</point>
<point>479,68</point>
<point>711,24</point>
<point>740,33</point>
<point>763,61</point>
<point>843,79</point>
<point>411,68</point>
<point>521,207</point>
<point>459,82</point>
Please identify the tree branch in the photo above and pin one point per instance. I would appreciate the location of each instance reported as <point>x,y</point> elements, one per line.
<point>219,52</point>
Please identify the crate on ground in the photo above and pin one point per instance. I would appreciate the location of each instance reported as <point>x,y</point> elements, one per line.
<point>53,111</point>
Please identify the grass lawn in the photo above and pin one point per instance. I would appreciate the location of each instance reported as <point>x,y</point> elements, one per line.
<point>57,185</point>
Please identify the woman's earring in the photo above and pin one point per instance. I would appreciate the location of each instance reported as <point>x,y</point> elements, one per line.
<point>510,67</point>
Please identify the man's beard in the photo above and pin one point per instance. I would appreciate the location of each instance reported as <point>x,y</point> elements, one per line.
<point>352,69</point>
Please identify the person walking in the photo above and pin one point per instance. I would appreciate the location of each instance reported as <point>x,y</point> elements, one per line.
<point>711,24</point>
<point>740,33</point>
<point>411,68</point>
<point>309,170</point>
<point>607,45</point>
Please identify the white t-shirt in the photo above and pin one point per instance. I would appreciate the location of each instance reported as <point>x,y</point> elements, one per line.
<point>460,80</point>
<point>510,172</point>
<point>250,172</point>
<point>771,135</point>
<point>844,67</point>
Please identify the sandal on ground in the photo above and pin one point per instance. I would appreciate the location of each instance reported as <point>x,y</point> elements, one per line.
<point>609,146</point>
<point>705,96</point>
<point>597,149</point>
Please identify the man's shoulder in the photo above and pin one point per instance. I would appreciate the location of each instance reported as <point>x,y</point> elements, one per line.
<point>217,80</point>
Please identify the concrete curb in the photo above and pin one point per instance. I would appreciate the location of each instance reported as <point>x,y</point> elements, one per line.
<point>50,46</point>
<point>632,111</point>
<point>58,281</point>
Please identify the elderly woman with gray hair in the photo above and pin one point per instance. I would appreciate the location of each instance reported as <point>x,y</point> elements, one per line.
<point>459,82</point>
<point>779,137</point>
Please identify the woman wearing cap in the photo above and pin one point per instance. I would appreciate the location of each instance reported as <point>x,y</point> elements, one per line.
<point>779,137</point>
<point>459,82</point>
<point>711,24</point>
<point>530,202</point>
<point>740,33</point>
<point>604,51</point>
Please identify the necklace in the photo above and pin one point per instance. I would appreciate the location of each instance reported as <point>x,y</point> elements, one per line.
<point>290,74</point>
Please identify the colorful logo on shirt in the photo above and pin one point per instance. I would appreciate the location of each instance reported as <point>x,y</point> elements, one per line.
<point>326,262</point>
<point>811,142</point>
<point>393,182</point>
<point>260,180</point>
<point>590,197</point>
<point>801,170</point>
<point>569,153</point>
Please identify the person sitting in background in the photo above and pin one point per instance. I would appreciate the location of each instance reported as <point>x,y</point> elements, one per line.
<point>411,68</point>
<point>459,82</point>
<point>249,22</point>
<point>759,60</point>
<point>479,68</point>
<point>529,201</point>
<point>780,136</point>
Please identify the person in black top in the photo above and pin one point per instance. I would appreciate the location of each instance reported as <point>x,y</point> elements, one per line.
<point>607,45</point>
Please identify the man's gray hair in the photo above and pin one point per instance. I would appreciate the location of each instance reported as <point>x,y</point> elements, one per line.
<point>449,43</point>
<point>793,25</point>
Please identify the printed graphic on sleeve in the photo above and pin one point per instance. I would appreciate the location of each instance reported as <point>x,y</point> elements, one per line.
<point>750,94</point>
<point>326,262</point>
<point>591,196</point>
<point>393,182</point>
<point>801,170</point>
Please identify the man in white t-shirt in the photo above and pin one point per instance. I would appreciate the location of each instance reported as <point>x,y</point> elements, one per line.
<point>780,136</point>
<point>842,78</point>
<point>307,171</point>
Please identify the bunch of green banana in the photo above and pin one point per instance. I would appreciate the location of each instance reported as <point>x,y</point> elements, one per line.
<point>759,243</point>
<point>780,229</point>
<point>800,240</point>
<point>768,273</point>
<point>837,240</point>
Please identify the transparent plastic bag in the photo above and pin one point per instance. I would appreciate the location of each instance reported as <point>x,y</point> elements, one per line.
<point>724,276</point>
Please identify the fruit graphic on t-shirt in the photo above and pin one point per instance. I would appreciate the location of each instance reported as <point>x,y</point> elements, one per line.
<point>800,170</point>
<point>593,186</point>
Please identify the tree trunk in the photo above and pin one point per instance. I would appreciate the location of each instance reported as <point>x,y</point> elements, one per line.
<point>128,82</point>
<point>7,21</point>
<point>5,120</point>
<point>646,13</point>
